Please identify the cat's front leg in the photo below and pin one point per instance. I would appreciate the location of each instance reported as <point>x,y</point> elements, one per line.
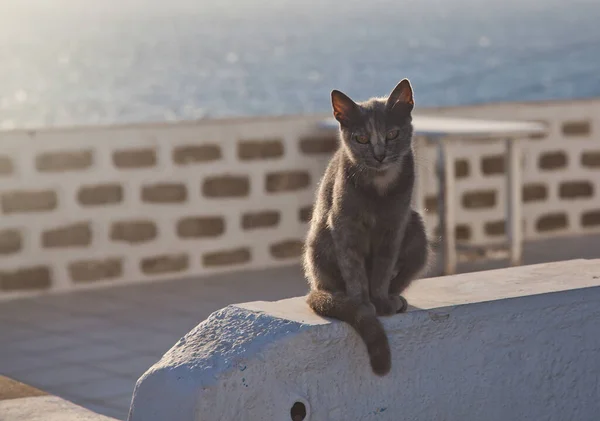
<point>382,272</point>
<point>386,251</point>
<point>351,249</point>
<point>388,304</point>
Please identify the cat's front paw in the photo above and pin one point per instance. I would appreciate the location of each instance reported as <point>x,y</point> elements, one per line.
<point>384,306</point>
<point>400,303</point>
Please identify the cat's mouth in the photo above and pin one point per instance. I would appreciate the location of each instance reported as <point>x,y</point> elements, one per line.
<point>379,167</point>
<point>388,162</point>
<point>384,165</point>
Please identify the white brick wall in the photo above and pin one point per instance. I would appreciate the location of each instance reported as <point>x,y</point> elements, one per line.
<point>155,177</point>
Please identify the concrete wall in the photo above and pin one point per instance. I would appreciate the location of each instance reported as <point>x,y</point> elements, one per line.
<point>511,344</point>
<point>91,206</point>
<point>101,205</point>
<point>561,173</point>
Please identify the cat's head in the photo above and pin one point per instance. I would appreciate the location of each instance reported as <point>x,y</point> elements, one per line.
<point>376,133</point>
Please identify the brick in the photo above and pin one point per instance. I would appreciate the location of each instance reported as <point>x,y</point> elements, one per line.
<point>495,229</point>
<point>285,181</point>
<point>552,222</point>
<point>29,278</point>
<point>236,256</point>
<point>11,241</point>
<point>201,227</point>
<point>134,158</point>
<point>6,165</point>
<point>263,219</point>
<point>462,232</point>
<point>167,263</point>
<point>431,204</point>
<point>491,165</point>
<point>287,249</point>
<point>534,192</point>
<point>133,232</point>
<point>318,145</point>
<point>164,193</point>
<point>195,154</point>
<point>226,186</point>
<point>249,150</point>
<point>479,199</point>
<point>100,194</point>
<point>576,128</point>
<point>305,214</point>
<point>461,168</point>
<point>74,235</point>
<point>64,161</point>
<point>590,218</point>
<point>590,159</point>
<point>96,270</point>
<point>498,228</point>
<point>552,160</point>
<point>29,201</point>
<point>576,189</point>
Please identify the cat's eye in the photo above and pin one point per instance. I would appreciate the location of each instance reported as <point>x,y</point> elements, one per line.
<point>361,138</point>
<point>392,134</point>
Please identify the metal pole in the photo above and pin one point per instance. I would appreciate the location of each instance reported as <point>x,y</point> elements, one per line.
<point>447,206</point>
<point>514,215</point>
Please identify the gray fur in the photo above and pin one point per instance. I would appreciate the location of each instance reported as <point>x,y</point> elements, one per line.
<point>365,244</point>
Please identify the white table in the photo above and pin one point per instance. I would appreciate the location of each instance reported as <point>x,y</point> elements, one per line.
<point>446,131</point>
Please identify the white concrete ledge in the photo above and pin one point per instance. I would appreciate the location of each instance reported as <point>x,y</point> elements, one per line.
<point>512,344</point>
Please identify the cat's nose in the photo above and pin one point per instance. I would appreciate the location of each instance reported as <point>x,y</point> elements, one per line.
<point>379,152</point>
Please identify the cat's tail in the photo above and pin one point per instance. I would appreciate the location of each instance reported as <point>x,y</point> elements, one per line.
<point>362,319</point>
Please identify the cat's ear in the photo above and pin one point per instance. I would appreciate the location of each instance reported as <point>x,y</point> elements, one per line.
<point>344,109</point>
<point>401,95</point>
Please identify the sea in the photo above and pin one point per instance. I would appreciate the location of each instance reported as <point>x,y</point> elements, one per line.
<point>79,62</point>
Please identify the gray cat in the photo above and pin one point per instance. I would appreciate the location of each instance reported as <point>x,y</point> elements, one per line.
<point>366,244</point>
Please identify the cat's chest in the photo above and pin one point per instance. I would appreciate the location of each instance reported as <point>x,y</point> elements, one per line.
<point>382,217</point>
<point>384,181</point>
<point>376,236</point>
<point>380,223</point>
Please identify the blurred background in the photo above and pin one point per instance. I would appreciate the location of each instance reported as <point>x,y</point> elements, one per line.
<point>158,159</point>
<point>68,62</point>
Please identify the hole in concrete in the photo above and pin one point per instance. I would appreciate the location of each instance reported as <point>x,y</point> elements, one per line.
<point>298,411</point>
